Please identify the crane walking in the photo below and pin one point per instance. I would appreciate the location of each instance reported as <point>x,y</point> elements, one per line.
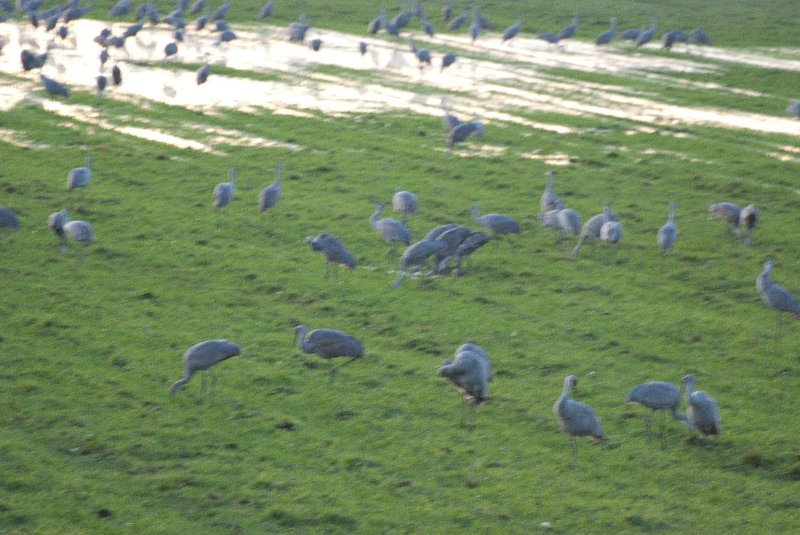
<point>329,344</point>
<point>575,418</point>
<point>202,357</point>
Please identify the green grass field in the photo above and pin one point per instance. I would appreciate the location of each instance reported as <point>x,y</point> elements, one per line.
<point>91,441</point>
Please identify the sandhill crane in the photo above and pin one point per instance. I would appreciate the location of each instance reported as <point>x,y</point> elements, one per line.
<point>202,74</point>
<point>462,132</point>
<point>53,87</point>
<point>775,297</point>
<point>447,11</point>
<point>549,200</point>
<point>452,238</point>
<point>497,223</point>
<point>570,30</point>
<point>81,232</point>
<point>470,373</point>
<point>591,229</point>
<point>631,34</point>
<point>334,251</point>
<point>375,24</point>
<point>727,212</point>
<point>701,409</point>
<point>438,231</point>
<point>671,37</point>
<point>611,232</point>
<point>549,37</point>
<point>575,418</point>
<point>447,60</point>
<point>120,8</point>
<point>657,396</point>
<point>606,37</point>
<point>316,44</point>
<point>170,49</point>
<point>221,11</point>
<point>569,221</point>
<point>423,54</point>
<point>647,34</point>
<point>56,222</point>
<point>475,26</point>
<point>266,10</point>
<point>699,37</point>
<point>549,219</point>
<point>7,218</point>
<point>402,19</point>
<point>116,75</point>
<point>362,47</point>
<point>79,177</point>
<point>449,120</point>
<point>415,255</point>
<point>748,219</point>
<point>392,230</point>
<point>101,82</point>
<point>469,245</point>
<point>197,7</point>
<point>404,202</point>
<point>204,356</point>
<point>668,232</point>
<point>269,196</point>
<point>514,29</point>
<point>297,30</point>
<point>329,344</point>
<point>225,191</point>
<point>794,107</point>
<point>458,21</point>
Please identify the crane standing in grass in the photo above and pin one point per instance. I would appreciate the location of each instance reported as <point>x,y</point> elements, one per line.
<point>748,219</point>
<point>224,191</point>
<point>8,219</point>
<point>269,196</point>
<point>497,223</point>
<point>416,255</point>
<point>775,297</point>
<point>80,176</point>
<point>334,251</point>
<point>404,202</point>
<point>470,373</point>
<point>56,223</point>
<point>668,232</point>
<point>701,409</point>
<point>204,356</point>
<point>592,228</point>
<point>657,396</point>
<point>575,418</point>
<point>329,344</point>
<point>549,200</point>
<point>392,230</point>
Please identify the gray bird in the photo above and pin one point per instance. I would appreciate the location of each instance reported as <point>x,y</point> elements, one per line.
<point>646,35</point>
<point>392,230</point>
<point>101,82</point>
<point>575,418</point>
<point>631,34</point>
<point>316,44</point>
<point>53,87</point>
<point>447,60</point>
<point>329,344</point>
<point>423,54</point>
<point>512,31</point>
<point>569,221</point>
<point>701,409</point>
<point>458,21</point>
<point>225,191</point>
<point>427,27</point>
<point>298,30</point>
<point>362,47</point>
<point>56,222</point>
<point>438,231</point>
<point>549,200</point>
<point>221,11</point>
<point>699,37</point>
<point>475,26</point>
<point>549,219</point>
<point>402,19</point>
<point>377,23</point>
<point>570,30</point>
<point>80,176</point>
<point>269,196</point>
<point>748,219</point>
<point>447,11</point>
<point>266,11</point>
<point>415,256</point>
<point>611,232</point>
<point>469,245</point>
<point>333,250</point>
<point>8,219</point>
<point>470,373</point>
<point>606,37</point>
<point>170,50</point>
<point>81,232</point>
<point>132,30</point>
<point>202,74</point>
<point>727,212</point>
<point>591,229</point>
<point>775,297</point>
<point>204,356</point>
<point>449,120</point>
<point>197,7</point>
<point>671,37</point>
<point>658,396</point>
<point>548,37</point>
<point>462,132</point>
<point>497,223</point>
<point>122,7</point>
<point>116,75</point>
<point>452,238</point>
<point>668,232</point>
<point>404,202</point>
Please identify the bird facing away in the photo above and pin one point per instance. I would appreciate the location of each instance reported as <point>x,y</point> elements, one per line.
<point>335,252</point>
<point>775,297</point>
<point>224,191</point>
<point>549,200</point>
<point>269,196</point>
<point>592,228</point>
<point>416,255</point>
<point>748,219</point>
<point>56,223</point>
<point>404,202</point>
<point>7,218</point>
<point>671,37</point>
<point>606,37</point>
<point>727,212</point>
<point>497,223</point>
<point>631,34</point>
<point>611,232</point>
<point>81,232</point>
<point>701,409</point>
<point>470,373</point>
<point>116,75</point>
<point>204,356</point>
<point>447,60</point>
<point>575,418</point>
<point>699,37</point>
<point>329,344</point>
<point>53,87</point>
<point>514,29</point>
<point>170,50</point>
<point>658,396</point>
<point>392,230</point>
<point>80,176</point>
<point>668,232</point>
<point>569,221</point>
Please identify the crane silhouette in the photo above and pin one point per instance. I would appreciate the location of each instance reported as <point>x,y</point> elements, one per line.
<point>513,30</point>
<point>81,232</point>
<point>748,219</point>
<point>726,211</point>
<point>575,418</point>
<point>392,230</point>
<point>79,177</point>
<point>202,357</point>
<point>329,344</point>
<point>592,228</point>
<point>701,409</point>
<point>657,396</point>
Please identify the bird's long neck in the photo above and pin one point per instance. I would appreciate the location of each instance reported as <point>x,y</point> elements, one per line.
<point>301,338</point>
<point>562,399</point>
<point>278,173</point>
<point>549,187</point>
<point>764,281</point>
<point>374,218</point>
<point>179,383</point>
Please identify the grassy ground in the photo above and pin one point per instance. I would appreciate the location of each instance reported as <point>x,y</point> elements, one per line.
<point>91,442</point>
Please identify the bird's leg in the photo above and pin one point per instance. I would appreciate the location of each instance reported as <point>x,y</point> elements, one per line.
<point>202,385</point>
<point>213,382</point>
<point>336,368</point>
<point>574,453</point>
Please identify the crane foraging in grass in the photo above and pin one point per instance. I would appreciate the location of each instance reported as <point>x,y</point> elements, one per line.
<point>497,223</point>
<point>470,373</point>
<point>701,409</point>
<point>329,344</point>
<point>8,219</point>
<point>657,396</point>
<point>575,418</point>
<point>592,228</point>
<point>416,255</point>
<point>748,219</point>
<point>334,251</point>
<point>392,230</point>
<point>202,357</point>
